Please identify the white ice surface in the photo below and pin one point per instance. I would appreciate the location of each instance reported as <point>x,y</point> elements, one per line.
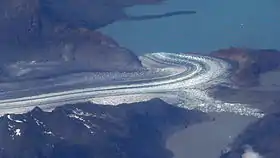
<point>186,81</point>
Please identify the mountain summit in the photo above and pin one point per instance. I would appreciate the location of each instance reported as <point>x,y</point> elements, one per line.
<point>89,130</point>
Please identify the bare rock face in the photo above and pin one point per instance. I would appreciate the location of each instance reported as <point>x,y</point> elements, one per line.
<point>86,130</point>
<point>262,136</point>
<point>49,30</point>
<point>250,63</point>
<point>95,50</point>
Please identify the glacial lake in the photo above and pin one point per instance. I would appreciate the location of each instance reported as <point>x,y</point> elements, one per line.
<point>208,139</point>
<point>217,24</point>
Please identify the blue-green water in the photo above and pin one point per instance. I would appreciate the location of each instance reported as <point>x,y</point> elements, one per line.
<point>217,24</point>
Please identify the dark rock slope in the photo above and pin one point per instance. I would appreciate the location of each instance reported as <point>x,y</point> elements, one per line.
<point>64,31</point>
<point>88,130</point>
<point>49,30</point>
<point>250,63</point>
<point>263,136</point>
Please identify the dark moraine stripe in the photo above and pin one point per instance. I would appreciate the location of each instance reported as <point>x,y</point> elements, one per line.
<point>157,16</point>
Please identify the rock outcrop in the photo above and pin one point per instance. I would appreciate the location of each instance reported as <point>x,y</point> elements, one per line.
<point>65,31</point>
<point>49,30</point>
<point>88,130</point>
<point>263,137</point>
<point>250,63</point>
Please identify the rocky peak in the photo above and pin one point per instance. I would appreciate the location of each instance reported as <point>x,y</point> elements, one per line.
<point>262,136</point>
<point>250,63</point>
<point>89,130</point>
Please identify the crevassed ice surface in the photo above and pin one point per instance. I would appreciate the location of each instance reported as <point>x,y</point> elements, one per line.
<point>184,81</point>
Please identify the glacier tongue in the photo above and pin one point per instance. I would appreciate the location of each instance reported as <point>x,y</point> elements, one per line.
<point>177,78</point>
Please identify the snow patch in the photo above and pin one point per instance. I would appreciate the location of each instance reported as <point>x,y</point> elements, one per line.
<point>84,122</point>
<point>76,117</point>
<point>17,132</point>
<point>10,127</point>
<point>39,123</point>
<point>49,133</point>
<point>80,112</point>
<point>10,118</point>
<point>250,153</point>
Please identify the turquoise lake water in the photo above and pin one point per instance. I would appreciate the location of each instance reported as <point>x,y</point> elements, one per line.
<point>217,24</point>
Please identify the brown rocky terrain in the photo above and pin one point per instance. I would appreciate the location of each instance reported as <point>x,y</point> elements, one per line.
<point>250,63</point>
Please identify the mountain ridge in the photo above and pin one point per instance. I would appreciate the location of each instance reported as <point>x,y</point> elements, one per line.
<point>91,130</point>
